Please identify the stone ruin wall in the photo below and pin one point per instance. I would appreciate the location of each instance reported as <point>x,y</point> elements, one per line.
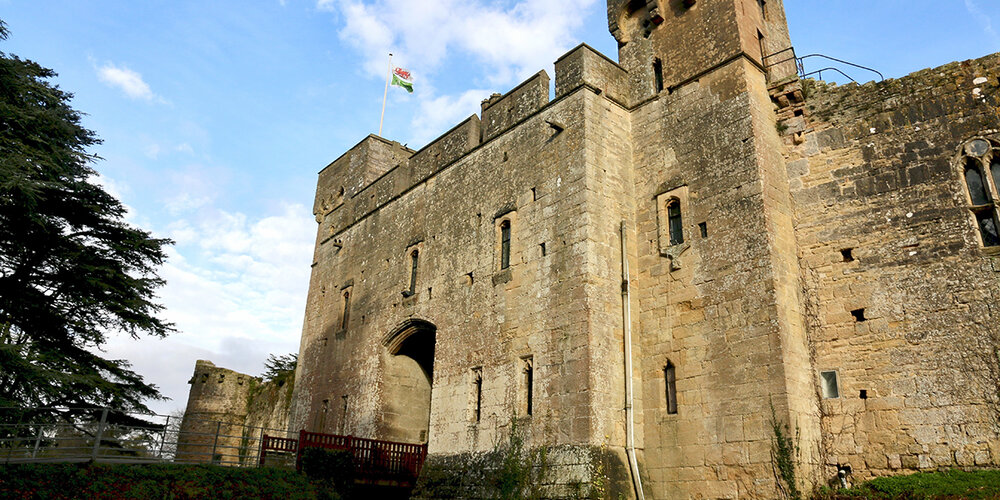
<point>883,226</point>
<point>239,408</point>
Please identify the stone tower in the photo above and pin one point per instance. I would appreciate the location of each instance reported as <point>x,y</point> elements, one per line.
<point>719,303</point>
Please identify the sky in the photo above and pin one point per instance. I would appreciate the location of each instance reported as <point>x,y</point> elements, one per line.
<point>217,115</point>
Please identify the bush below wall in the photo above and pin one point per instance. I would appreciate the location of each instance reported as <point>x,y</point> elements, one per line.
<point>160,481</point>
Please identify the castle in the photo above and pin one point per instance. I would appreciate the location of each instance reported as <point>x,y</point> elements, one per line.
<point>679,255</point>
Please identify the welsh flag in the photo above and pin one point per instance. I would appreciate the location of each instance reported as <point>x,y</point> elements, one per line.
<point>402,78</point>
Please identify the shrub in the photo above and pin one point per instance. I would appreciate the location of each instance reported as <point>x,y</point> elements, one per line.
<point>331,469</point>
<point>166,481</point>
<point>923,485</point>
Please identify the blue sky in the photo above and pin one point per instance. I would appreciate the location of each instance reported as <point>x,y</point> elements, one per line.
<point>217,115</point>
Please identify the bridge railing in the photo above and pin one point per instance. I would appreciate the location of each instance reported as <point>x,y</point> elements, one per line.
<point>373,459</point>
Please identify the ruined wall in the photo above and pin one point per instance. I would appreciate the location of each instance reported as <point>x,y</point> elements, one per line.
<point>902,294</point>
<point>228,412</point>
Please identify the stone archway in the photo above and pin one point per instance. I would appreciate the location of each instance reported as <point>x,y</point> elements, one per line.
<point>409,376</point>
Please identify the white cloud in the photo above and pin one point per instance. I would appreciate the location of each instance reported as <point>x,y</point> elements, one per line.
<point>126,80</point>
<point>236,290</point>
<point>506,45</point>
<point>438,114</point>
<point>984,20</point>
<point>511,44</point>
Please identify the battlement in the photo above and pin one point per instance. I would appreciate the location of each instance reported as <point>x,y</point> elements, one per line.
<point>376,170</point>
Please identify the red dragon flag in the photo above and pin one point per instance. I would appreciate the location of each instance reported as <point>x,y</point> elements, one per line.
<point>402,78</point>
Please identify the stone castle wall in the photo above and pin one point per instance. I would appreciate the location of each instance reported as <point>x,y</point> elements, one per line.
<point>825,229</point>
<point>884,226</point>
<point>227,414</point>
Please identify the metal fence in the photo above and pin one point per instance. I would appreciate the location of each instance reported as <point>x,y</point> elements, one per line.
<point>107,435</point>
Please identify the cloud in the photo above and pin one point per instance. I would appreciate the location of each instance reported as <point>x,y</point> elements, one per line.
<point>126,80</point>
<point>984,20</point>
<point>505,44</point>
<point>236,289</point>
<point>512,43</point>
<point>441,113</point>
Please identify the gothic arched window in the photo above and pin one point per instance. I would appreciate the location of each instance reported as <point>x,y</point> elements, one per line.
<point>674,223</point>
<point>982,186</point>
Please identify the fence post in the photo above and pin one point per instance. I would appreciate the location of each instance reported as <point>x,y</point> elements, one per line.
<point>166,429</point>
<point>260,452</point>
<point>100,434</point>
<point>38,440</point>
<point>215,445</point>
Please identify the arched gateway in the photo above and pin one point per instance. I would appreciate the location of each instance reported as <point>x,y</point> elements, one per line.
<point>409,375</point>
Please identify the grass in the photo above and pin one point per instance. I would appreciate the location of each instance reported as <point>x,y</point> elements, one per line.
<point>950,484</point>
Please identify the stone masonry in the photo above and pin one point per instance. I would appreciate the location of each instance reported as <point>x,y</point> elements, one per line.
<point>816,256</point>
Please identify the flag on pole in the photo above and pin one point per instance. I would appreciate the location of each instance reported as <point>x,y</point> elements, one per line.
<point>402,78</point>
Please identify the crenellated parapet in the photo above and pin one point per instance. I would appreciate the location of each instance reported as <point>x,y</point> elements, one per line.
<point>586,67</point>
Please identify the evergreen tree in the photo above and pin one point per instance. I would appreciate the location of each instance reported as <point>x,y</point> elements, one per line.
<point>71,270</point>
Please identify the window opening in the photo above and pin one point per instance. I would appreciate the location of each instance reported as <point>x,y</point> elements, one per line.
<point>988,227</point>
<point>974,181</point>
<point>828,385</point>
<point>343,413</point>
<point>674,222</point>
<point>670,379</point>
<point>477,388</point>
<point>505,244</point>
<point>760,42</point>
<point>347,310</point>
<point>542,246</point>
<point>703,227</point>
<point>995,169</point>
<point>529,373</point>
<point>763,9</point>
<point>863,394</point>
<point>414,258</point>
<point>847,254</point>
<point>859,315</point>
<point>658,74</point>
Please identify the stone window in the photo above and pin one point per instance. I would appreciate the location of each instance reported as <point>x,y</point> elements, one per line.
<point>980,166</point>
<point>527,378</point>
<point>504,244</point>
<point>670,380</point>
<point>674,221</point>
<point>477,394</point>
<point>347,309</point>
<point>828,384</point>
<point>671,208</point>
<point>763,8</point>
<point>414,261</point>
<point>658,74</point>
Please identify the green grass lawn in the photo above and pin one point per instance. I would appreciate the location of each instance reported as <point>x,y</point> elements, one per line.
<point>951,484</point>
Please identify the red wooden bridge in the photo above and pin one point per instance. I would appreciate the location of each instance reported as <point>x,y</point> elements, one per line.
<point>375,461</point>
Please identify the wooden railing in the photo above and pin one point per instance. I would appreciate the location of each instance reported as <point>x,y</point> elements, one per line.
<point>374,460</point>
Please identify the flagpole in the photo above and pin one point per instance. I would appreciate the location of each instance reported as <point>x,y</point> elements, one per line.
<point>388,75</point>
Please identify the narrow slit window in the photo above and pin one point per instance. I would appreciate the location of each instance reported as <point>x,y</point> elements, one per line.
<point>763,9</point>
<point>828,382</point>
<point>477,394</point>
<point>974,181</point>
<point>703,228</point>
<point>658,74</point>
<point>529,375</point>
<point>670,379</point>
<point>674,222</point>
<point>414,258</point>
<point>505,244</point>
<point>347,310</point>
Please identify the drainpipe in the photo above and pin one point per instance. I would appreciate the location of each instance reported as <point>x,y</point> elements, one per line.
<point>629,396</point>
